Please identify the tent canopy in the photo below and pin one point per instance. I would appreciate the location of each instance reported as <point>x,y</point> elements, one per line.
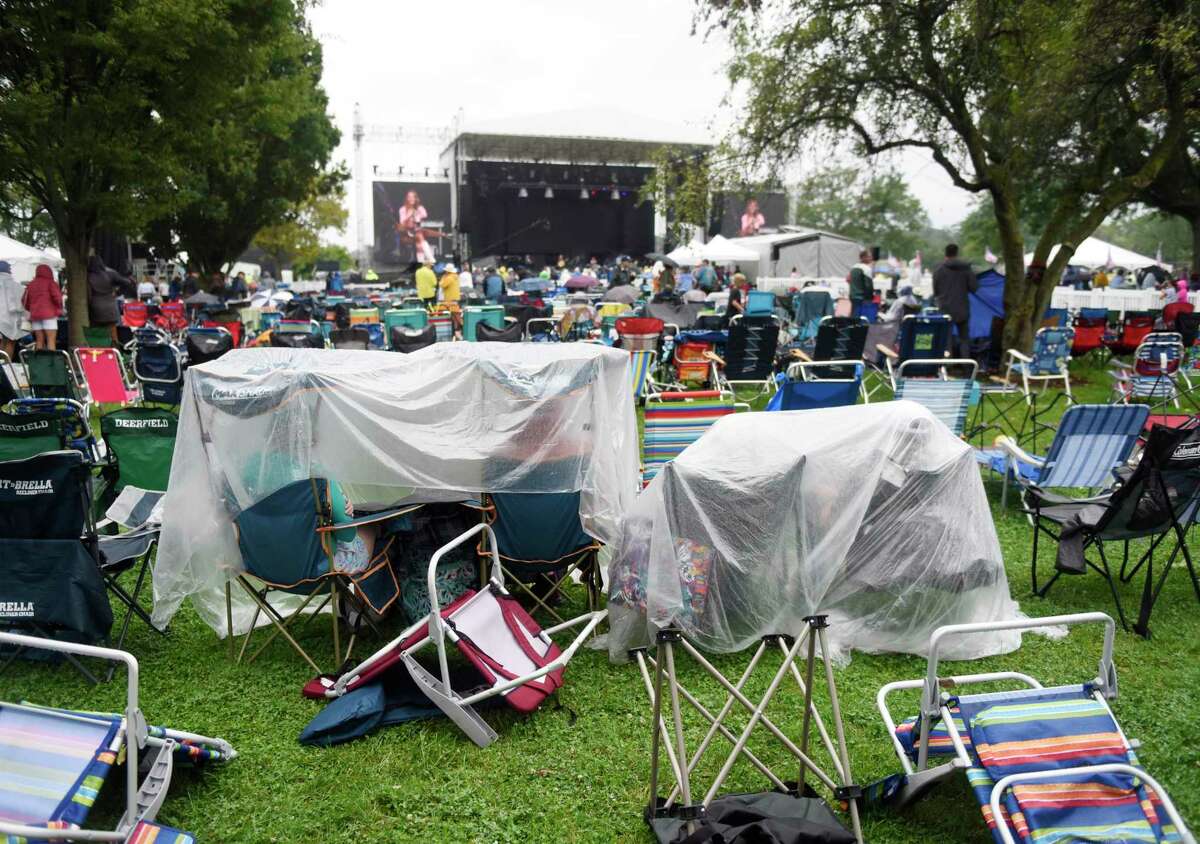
<point>873,514</point>
<point>722,250</point>
<point>986,303</point>
<point>24,258</point>
<point>687,255</point>
<point>445,423</point>
<point>1094,253</point>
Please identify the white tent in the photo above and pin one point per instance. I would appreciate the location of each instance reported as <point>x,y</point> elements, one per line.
<point>688,255</point>
<point>722,250</point>
<point>24,258</point>
<point>1094,253</point>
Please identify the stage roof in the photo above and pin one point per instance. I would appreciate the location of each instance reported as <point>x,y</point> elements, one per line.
<point>576,136</point>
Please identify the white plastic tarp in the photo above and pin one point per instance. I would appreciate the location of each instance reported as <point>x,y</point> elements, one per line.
<point>451,419</point>
<point>873,514</point>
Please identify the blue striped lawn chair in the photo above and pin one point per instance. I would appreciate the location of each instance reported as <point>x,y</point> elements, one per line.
<point>947,398</point>
<point>1091,441</point>
<point>54,762</point>
<point>1155,373</point>
<point>1049,361</point>
<point>641,362</point>
<point>1044,764</point>
<point>673,421</point>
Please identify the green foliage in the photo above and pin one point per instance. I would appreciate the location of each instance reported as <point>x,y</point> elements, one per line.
<point>1144,231</point>
<point>681,186</point>
<point>22,218</point>
<point>269,140</point>
<point>296,240</point>
<point>873,208</point>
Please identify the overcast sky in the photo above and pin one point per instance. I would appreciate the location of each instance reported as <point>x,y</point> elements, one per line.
<point>417,64</point>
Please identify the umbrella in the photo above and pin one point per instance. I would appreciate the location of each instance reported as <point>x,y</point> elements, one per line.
<point>202,298</point>
<point>581,282</point>
<point>667,260</point>
<point>270,297</point>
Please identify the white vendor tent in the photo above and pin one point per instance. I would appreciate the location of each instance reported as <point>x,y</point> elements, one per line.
<point>1094,253</point>
<point>688,255</point>
<point>812,253</point>
<point>722,250</point>
<point>444,423</point>
<point>24,258</point>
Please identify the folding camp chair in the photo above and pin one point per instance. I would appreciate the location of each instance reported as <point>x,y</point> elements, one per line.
<point>1171,312</point>
<point>1130,333</point>
<point>1155,374</point>
<point>1091,325</point>
<point>172,318</point>
<point>288,543</point>
<point>141,442</point>
<point>1091,441</point>
<point>407,340</point>
<point>10,383</point>
<point>814,384</point>
<point>49,785</point>
<point>51,375</point>
<point>490,315</point>
<point>673,421</point>
<point>510,333</point>
<point>516,659</point>
<point>1045,764</point>
<point>683,814</point>
<point>810,308</point>
<point>542,546</point>
<point>30,424</point>
<point>840,338</point>
<point>228,320</point>
<point>350,338</point>
<point>135,314</point>
<point>55,565</point>
<point>1156,501</point>
<point>104,373</point>
<point>415,318</point>
<point>749,355</point>
<point>206,344</point>
<point>158,367</point>
<point>925,337</point>
<point>947,398</point>
<point>1049,361</point>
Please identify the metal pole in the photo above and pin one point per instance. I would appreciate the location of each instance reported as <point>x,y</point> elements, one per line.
<point>685,786</point>
<point>847,777</point>
<point>656,718</point>
<point>808,684</point>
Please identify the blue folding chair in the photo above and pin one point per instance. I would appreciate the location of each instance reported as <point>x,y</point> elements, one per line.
<point>947,398</point>
<point>1049,361</point>
<point>924,337</point>
<point>1091,441</point>
<point>808,385</point>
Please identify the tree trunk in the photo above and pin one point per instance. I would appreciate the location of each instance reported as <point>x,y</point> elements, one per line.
<point>75,253</point>
<point>1195,220</point>
<point>1021,315</point>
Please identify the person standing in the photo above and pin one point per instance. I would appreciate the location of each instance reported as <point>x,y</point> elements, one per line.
<point>43,299</point>
<point>1100,280</point>
<point>493,287</point>
<point>427,284</point>
<point>466,281</point>
<point>685,281</point>
<point>103,285</point>
<point>953,281</point>
<point>706,276</point>
<point>12,311</point>
<point>862,283</point>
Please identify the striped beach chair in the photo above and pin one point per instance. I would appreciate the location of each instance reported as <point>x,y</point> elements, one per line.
<point>947,398</point>
<point>54,762</point>
<point>1155,374</point>
<point>676,420</point>
<point>641,362</point>
<point>1044,764</point>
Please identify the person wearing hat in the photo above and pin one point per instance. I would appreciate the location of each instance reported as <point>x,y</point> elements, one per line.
<point>44,301</point>
<point>427,284</point>
<point>448,283</point>
<point>905,302</point>
<point>11,310</point>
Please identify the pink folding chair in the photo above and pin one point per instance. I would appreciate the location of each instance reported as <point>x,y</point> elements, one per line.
<point>105,376</point>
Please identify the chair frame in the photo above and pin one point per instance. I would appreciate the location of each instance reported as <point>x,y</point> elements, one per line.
<point>1022,362</point>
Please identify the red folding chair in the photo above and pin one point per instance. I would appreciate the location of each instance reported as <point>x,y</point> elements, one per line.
<point>1130,333</point>
<point>172,317</point>
<point>1173,310</point>
<point>136,314</point>
<point>105,376</point>
<point>234,327</point>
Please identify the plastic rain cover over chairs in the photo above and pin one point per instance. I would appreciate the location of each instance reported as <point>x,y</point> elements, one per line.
<point>444,423</point>
<point>872,514</point>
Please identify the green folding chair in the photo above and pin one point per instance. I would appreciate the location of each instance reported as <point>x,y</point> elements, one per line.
<point>28,435</point>
<point>141,441</point>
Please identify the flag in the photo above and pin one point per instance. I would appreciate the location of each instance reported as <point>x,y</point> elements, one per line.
<point>989,256</point>
<point>1109,262</point>
<point>1158,254</point>
<point>914,269</point>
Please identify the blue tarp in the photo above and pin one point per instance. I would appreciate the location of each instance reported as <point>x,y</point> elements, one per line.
<point>986,303</point>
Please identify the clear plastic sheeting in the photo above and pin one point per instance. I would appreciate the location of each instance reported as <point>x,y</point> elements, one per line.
<point>873,514</point>
<point>447,422</point>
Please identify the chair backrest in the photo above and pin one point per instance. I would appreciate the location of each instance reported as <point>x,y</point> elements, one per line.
<point>406,318</point>
<point>490,315</point>
<point>135,314</point>
<point>142,439</point>
<point>289,340</point>
<point>812,386</point>
<point>750,349</point>
<point>363,315</point>
<point>1159,354</point>
<point>760,303</point>
<point>157,361</point>
<point>104,375</point>
<point>841,338</point>
<point>1172,311</point>
<point>233,326</point>
<point>1051,350</point>
<point>948,400</point>
<point>278,535</point>
<point>641,361</point>
<point>27,435</point>
<point>1055,318</point>
<point>172,316</point>
<point>1170,464</point>
<point>487,333</point>
<point>45,497</point>
<point>206,343</point>
<point>674,421</point>
<point>639,332</point>
<point>541,528</point>
<point>406,340</point>
<point>1092,440</point>
<point>72,427</point>
<point>869,311</point>
<point>49,374</point>
<point>925,336</point>
<point>1188,326</point>
<point>350,338</point>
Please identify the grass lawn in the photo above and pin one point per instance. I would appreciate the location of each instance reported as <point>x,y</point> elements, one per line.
<point>577,771</point>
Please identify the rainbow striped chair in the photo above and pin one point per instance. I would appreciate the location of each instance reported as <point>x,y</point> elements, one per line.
<point>641,364</point>
<point>676,420</point>
<point>53,762</point>
<point>1045,764</point>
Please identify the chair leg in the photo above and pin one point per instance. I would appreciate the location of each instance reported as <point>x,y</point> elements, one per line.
<point>1034,561</point>
<point>1112,586</point>
<point>279,622</point>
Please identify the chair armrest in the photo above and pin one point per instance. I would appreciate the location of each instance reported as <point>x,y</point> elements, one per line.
<point>714,357</point>
<point>887,351</point>
<point>1021,356</point>
<point>1009,445</point>
<point>799,354</point>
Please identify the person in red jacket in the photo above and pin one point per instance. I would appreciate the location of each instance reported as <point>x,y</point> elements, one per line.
<point>44,302</point>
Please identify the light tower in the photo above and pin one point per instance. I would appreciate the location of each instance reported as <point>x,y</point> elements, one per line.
<point>360,210</point>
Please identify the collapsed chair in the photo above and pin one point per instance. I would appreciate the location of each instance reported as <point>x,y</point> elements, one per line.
<point>206,344</point>
<point>1045,764</point>
<point>49,785</point>
<point>510,333</point>
<point>515,658</point>
<point>408,340</point>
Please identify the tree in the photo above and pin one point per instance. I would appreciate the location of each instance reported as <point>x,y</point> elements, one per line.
<point>1145,231</point>
<point>327,252</point>
<point>297,239</point>
<point>875,209</point>
<point>1176,190</point>
<point>1012,98</point>
<point>22,218</point>
<point>93,98</point>
<point>258,156</point>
